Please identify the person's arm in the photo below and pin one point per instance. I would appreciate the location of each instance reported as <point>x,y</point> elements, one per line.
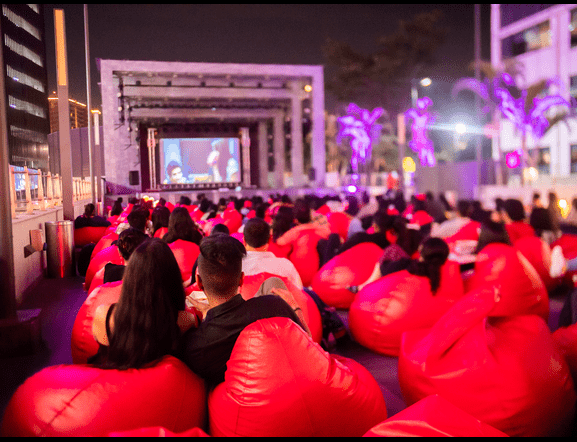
<point>288,297</point>
<point>374,276</point>
<point>99,324</point>
<point>291,235</point>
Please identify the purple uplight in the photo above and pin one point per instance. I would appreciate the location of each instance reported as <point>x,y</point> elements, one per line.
<point>420,142</point>
<point>512,159</point>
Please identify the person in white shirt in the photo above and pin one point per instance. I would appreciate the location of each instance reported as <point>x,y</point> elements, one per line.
<point>258,259</point>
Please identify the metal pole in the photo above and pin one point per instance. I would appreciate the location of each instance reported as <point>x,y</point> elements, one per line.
<point>7,281</point>
<point>478,78</point>
<point>89,106</point>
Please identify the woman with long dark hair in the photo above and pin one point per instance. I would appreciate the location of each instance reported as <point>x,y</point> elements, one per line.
<point>181,226</point>
<point>142,326</point>
<point>160,218</point>
<point>433,255</point>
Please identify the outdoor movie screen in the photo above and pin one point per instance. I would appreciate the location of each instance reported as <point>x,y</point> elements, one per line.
<point>199,160</point>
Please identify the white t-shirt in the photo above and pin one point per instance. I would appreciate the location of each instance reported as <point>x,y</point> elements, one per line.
<point>260,262</point>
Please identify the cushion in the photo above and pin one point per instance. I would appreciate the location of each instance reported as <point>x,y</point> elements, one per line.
<point>88,235</point>
<point>83,344</point>
<point>504,371</point>
<point>82,400</point>
<point>105,241</point>
<point>565,339</point>
<point>352,267</point>
<point>109,254</point>
<point>433,416</point>
<point>398,302</point>
<point>185,253</point>
<point>538,253</point>
<point>339,224</point>
<point>159,432</point>
<point>279,382</point>
<point>305,257</point>
<point>232,219</point>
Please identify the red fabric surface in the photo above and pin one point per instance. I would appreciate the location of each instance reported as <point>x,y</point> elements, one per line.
<point>568,244</point>
<point>352,267</point>
<point>308,306</point>
<point>398,302</point>
<point>279,382</point>
<point>88,235</point>
<point>433,416</point>
<point>105,241</point>
<point>504,371</point>
<point>522,290</point>
<point>109,254</point>
<point>469,231</point>
<point>519,229</point>
<point>538,253</point>
<point>421,218</point>
<point>339,224</point>
<point>185,253</point>
<point>239,236</point>
<point>279,251</point>
<point>305,257</point>
<point>159,432</point>
<point>82,400</point>
<point>565,339</point>
<point>232,220</point>
<point>161,232</point>
<point>83,344</point>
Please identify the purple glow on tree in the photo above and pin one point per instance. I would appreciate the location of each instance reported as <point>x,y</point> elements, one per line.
<point>420,141</point>
<point>360,125</point>
<point>512,159</point>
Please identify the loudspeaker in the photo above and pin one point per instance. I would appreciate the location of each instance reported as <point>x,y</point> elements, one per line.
<point>312,174</point>
<point>133,178</point>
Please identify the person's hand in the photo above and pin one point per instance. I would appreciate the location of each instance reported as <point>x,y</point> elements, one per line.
<point>202,307</point>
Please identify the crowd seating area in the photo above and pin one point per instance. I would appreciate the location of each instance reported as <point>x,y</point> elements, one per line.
<point>460,296</point>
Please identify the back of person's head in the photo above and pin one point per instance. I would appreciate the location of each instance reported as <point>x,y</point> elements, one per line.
<point>282,222</point>
<point>137,219</point>
<point>133,200</point>
<point>499,204</point>
<point>383,221</point>
<point>419,205</point>
<point>161,202</point>
<point>365,198</point>
<point>260,210</point>
<point>302,211</point>
<point>129,240</point>
<point>184,201</point>
<point>181,226</point>
<point>220,228</point>
<point>116,207</point>
<point>514,209</point>
<point>256,232</point>
<point>443,200</point>
<point>464,208</point>
<point>492,232</point>
<point>285,199</point>
<point>145,317</point>
<point>552,199</point>
<point>352,205</point>
<point>204,205</point>
<point>89,210</point>
<point>541,220</point>
<point>434,253</point>
<point>429,195</point>
<point>220,265</point>
<point>536,196</point>
<point>160,217</point>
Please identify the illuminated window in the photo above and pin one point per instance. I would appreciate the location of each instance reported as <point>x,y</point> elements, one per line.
<point>35,8</point>
<point>22,105</point>
<point>574,158</point>
<point>23,78</point>
<point>544,160</point>
<point>20,22</point>
<point>23,51</point>
<point>573,28</point>
<point>536,37</point>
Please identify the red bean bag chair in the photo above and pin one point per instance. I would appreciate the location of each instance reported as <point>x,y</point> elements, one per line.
<point>522,290</point>
<point>109,254</point>
<point>279,383</point>
<point>196,215</point>
<point>352,267</point>
<point>309,308</point>
<point>566,341</point>
<point>568,244</point>
<point>88,235</point>
<point>112,219</point>
<point>161,232</point>
<point>83,343</point>
<point>82,400</point>
<point>305,257</point>
<point>279,251</point>
<point>538,253</point>
<point>97,280</point>
<point>169,206</point>
<point>519,229</point>
<point>500,367</point>
<point>469,231</point>
<point>232,219</point>
<point>185,253</point>
<point>105,241</point>
<point>158,432</point>
<point>398,302</point>
<point>239,236</point>
<point>209,224</point>
<point>339,224</point>
<point>421,218</point>
<point>433,416</point>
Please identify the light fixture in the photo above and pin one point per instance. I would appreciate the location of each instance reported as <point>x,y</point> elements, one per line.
<point>460,128</point>
<point>426,82</point>
<point>308,88</point>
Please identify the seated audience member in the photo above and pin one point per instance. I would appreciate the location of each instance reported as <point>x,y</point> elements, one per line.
<point>127,242</point>
<point>147,321</point>
<point>181,226</point>
<point>545,226</point>
<point>554,209</point>
<point>453,225</point>
<point>492,232</point>
<point>302,215</point>
<point>184,201</point>
<point>478,213</point>
<point>536,200</point>
<point>137,218</point>
<point>207,349</point>
<point>449,209</point>
<point>513,215</point>
<point>572,217</point>
<point>383,229</point>
<point>90,219</point>
<point>116,207</point>
<point>160,218</point>
<point>435,208</point>
<point>220,228</point>
<point>258,259</point>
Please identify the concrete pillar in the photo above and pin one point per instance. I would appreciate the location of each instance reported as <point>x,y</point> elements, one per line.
<point>297,133</point>
<point>262,154</point>
<point>279,143</point>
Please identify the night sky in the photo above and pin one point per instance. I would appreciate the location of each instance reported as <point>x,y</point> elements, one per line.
<point>275,34</point>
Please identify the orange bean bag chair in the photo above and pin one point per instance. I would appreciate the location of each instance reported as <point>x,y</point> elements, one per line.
<point>105,241</point>
<point>109,254</point>
<point>83,344</point>
<point>538,253</point>
<point>305,257</point>
<point>88,235</point>
<point>339,224</point>
<point>232,219</point>
<point>566,341</point>
<point>185,253</point>
<point>522,290</point>
<point>251,284</point>
<point>398,302</point>
<point>82,400</point>
<point>433,416</point>
<point>352,267</point>
<point>279,383</point>
<point>500,367</point>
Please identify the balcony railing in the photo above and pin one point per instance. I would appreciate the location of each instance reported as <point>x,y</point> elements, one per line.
<point>31,189</point>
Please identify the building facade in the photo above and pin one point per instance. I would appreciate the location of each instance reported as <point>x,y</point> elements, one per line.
<point>24,61</point>
<point>543,38</point>
<point>78,113</point>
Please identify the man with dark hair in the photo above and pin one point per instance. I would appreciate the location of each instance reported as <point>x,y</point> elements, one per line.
<point>259,259</point>
<point>513,215</point>
<point>127,242</point>
<point>207,349</point>
<point>452,226</point>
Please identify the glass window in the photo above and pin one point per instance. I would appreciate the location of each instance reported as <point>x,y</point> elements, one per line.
<point>23,78</point>
<point>512,13</point>
<point>23,51</point>
<point>573,28</point>
<point>536,37</point>
<point>544,160</point>
<point>574,158</point>
<point>20,22</point>
<point>34,7</point>
<point>22,105</point>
